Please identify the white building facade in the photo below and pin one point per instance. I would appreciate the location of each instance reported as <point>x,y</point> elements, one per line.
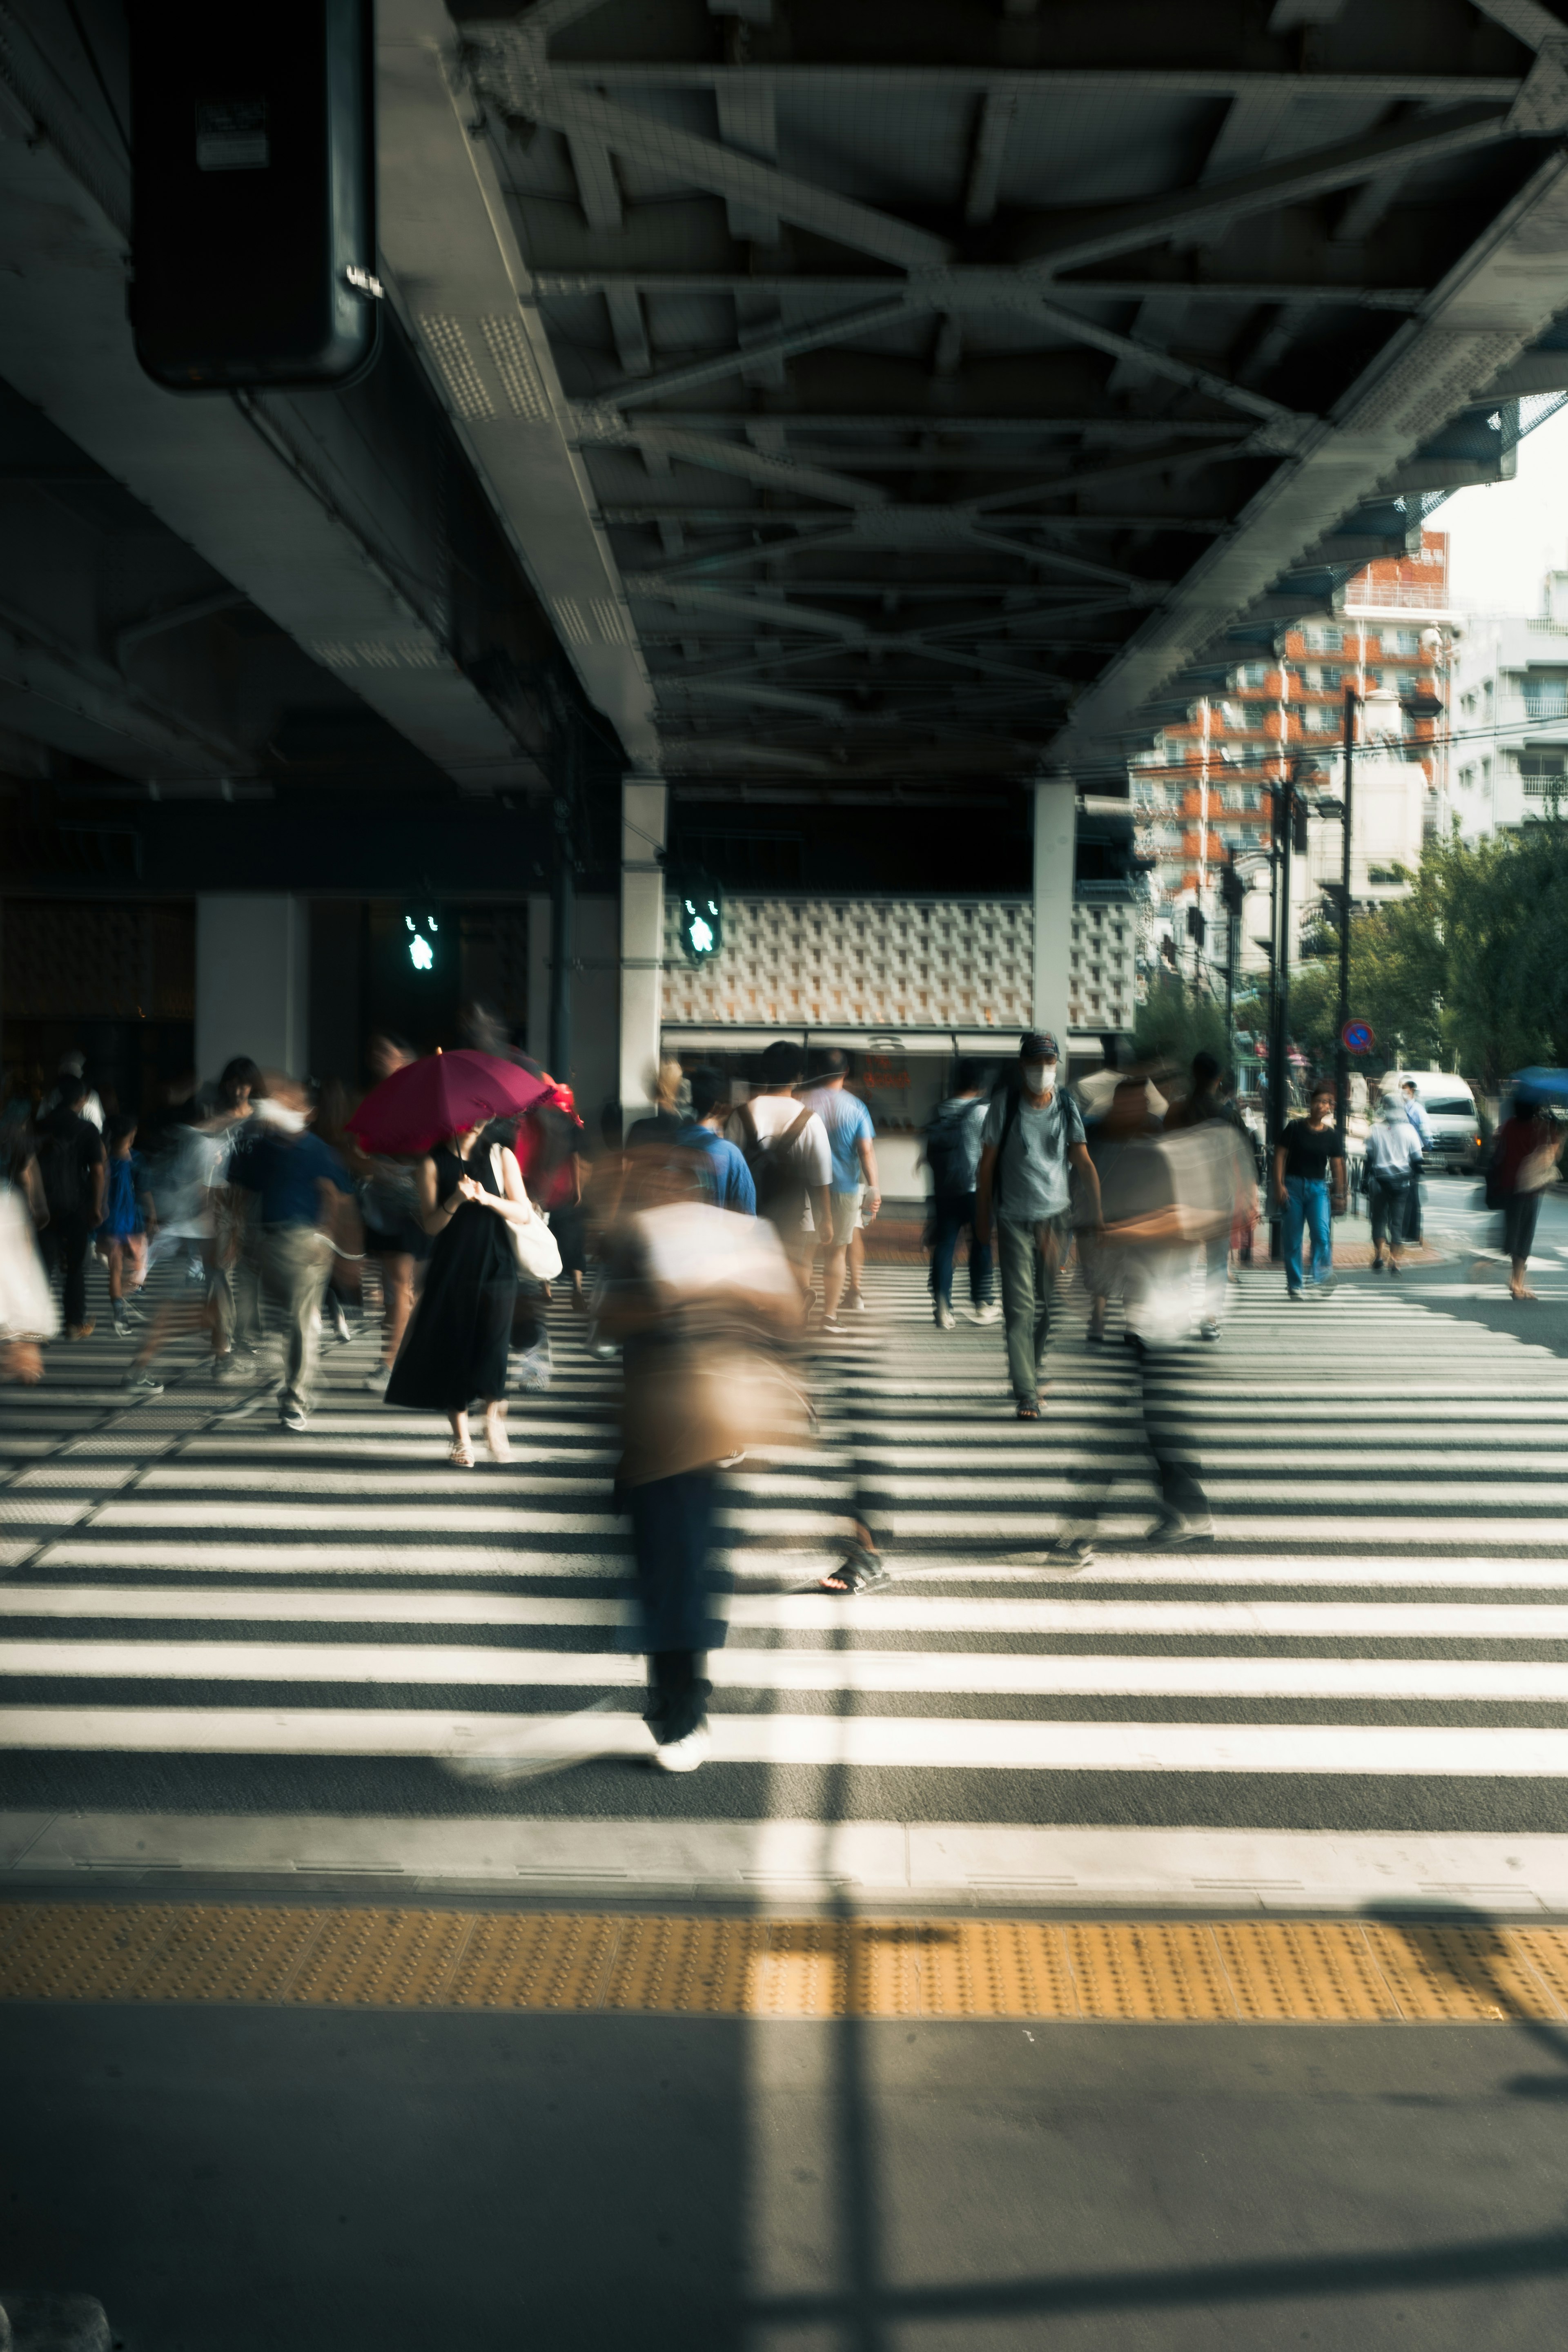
<point>1509,752</point>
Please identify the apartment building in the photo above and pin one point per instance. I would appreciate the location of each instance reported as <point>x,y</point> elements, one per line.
<point>1510,750</point>
<point>1201,790</point>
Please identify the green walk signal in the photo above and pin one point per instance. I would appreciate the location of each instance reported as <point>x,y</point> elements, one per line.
<point>701,923</point>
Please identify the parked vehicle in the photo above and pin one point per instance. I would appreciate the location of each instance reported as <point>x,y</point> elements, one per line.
<point>1451,1113</point>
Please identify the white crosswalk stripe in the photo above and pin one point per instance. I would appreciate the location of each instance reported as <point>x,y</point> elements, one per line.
<point>187,1594</point>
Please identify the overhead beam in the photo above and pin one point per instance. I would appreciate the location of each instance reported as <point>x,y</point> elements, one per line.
<point>713,451</point>
<point>1497,301</point>
<point>784,344</point>
<point>988,157</point>
<point>1157,221</point>
<point>977,287</point>
<point>1153,361</point>
<point>685,158</point>
<point>1215,78</point>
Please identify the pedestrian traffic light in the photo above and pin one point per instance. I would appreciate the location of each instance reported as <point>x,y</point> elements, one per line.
<point>423,936</point>
<point>701,921</point>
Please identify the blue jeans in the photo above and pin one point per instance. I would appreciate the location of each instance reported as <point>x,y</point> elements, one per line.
<point>1307,1204</point>
<point>951,1215</point>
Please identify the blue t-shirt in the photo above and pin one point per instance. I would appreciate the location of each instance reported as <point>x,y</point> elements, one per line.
<point>285,1170</point>
<point>121,1198</point>
<point>846,1119</point>
<point>727,1178</point>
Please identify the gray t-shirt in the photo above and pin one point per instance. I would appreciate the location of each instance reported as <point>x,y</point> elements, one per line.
<point>1031,1176</point>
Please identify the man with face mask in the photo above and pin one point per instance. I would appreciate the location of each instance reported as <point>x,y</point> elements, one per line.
<point>1033,1136</point>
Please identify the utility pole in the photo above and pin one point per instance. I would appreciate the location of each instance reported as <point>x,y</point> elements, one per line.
<point>1280,1008</point>
<point>1341,1051</point>
<point>1232,896</point>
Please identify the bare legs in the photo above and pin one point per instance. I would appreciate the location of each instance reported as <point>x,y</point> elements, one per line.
<point>397,1302</point>
<point>832,1280</point>
<point>461,1452</point>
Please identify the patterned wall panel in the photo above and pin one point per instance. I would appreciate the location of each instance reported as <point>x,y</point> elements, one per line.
<point>93,962</point>
<point>893,963</point>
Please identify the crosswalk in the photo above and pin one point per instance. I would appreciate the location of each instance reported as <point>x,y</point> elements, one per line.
<point>336,1651</point>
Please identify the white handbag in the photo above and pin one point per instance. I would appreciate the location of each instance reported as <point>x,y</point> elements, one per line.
<point>533,1246</point>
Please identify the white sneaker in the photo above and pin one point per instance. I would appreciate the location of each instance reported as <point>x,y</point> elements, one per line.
<point>685,1755</point>
<point>535,1367</point>
<point>945,1318</point>
<point>855,1303</point>
<point>989,1313</point>
<point>341,1331</point>
<point>141,1383</point>
<point>293,1416</point>
<point>376,1381</point>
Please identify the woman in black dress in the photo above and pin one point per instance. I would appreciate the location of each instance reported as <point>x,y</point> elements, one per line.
<point>455,1345</point>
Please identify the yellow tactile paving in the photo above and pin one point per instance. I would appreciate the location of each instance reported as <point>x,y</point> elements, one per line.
<point>1171,1972</point>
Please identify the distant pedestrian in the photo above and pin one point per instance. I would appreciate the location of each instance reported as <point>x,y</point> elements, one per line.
<point>74,1169</point>
<point>1415,1112</point>
<point>1524,1156</point>
<point>293,1182</point>
<point>394,1234</point>
<point>852,1188</point>
<point>1031,1147</point>
<point>128,1217</point>
<point>952,1152</point>
<point>1309,1189</point>
<point>1393,1147</point>
<point>725,1177</point>
<point>73,1065</point>
<point>455,1349</point>
<point>787,1154</point>
<point>665,1121</point>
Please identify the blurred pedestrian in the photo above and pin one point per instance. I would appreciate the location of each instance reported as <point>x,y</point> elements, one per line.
<point>725,1177</point>
<point>454,1348</point>
<point>1211,1101</point>
<point>665,1121</point>
<point>1126,1119</point>
<point>73,1167</point>
<point>1031,1146</point>
<point>28,1310</point>
<point>952,1151</point>
<point>1415,1112</point>
<point>786,1153</point>
<point>1392,1146</point>
<point>394,1234</point>
<point>852,1186</point>
<point>1523,1163</point>
<point>345,1278</point>
<point>1309,1191</point>
<point>129,1216</point>
<point>73,1065</point>
<point>705,1308</point>
<point>293,1182</point>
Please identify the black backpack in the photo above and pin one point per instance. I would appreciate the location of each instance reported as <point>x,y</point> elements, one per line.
<point>780,1185</point>
<point>61,1165</point>
<point>946,1154</point>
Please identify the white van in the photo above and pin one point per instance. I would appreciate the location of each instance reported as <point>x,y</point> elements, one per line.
<point>1451,1115</point>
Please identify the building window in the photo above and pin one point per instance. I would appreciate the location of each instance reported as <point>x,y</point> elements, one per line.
<point>1324,681</point>
<point>1321,640</point>
<point>1546,694</point>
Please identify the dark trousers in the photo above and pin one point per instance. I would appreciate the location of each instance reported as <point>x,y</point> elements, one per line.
<point>953,1213</point>
<point>63,1242</point>
<point>1385,1203</point>
<point>1413,1206</point>
<point>672,1544</point>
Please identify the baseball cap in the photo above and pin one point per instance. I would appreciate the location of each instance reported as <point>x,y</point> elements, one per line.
<point>1038,1046</point>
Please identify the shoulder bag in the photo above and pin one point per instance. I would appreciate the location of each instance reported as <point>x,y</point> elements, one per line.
<point>533,1246</point>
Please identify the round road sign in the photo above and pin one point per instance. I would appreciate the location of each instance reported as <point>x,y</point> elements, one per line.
<point>1358,1037</point>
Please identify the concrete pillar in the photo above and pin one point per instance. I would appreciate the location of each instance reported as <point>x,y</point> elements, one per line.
<point>644,815</point>
<point>252,982</point>
<point>1056,841</point>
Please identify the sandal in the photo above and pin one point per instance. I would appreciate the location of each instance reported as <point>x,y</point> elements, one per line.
<point>1028,1413</point>
<point>858,1571</point>
<point>460,1454</point>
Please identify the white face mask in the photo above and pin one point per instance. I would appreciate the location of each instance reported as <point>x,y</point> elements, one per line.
<point>1039,1077</point>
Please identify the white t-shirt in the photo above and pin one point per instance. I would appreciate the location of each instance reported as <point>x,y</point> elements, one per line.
<point>775,1114</point>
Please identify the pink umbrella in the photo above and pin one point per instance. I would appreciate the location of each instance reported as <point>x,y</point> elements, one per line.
<point>421,1105</point>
